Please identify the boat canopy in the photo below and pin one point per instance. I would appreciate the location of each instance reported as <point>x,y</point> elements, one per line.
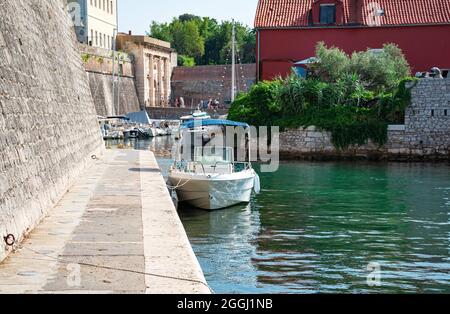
<point>139,117</point>
<point>193,124</point>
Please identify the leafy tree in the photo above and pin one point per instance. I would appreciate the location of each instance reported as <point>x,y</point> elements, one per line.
<point>188,17</point>
<point>334,63</point>
<point>375,70</point>
<point>161,31</point>
<point>187,40</point>
<point>206,40</point>
<point>380,69</point>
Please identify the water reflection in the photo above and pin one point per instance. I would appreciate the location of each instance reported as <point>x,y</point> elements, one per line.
<point>224,242</point>
<point>316,226</point>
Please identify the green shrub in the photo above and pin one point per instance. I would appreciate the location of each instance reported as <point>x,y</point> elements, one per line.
<point>259,106</point>
<point>391,105</point>
<point>380,70</point>
<point>354,99</point>
<point>186,61</point>
<point>334,63</point>
<point>376,69</point>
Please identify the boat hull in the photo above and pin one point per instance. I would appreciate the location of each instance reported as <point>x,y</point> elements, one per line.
<point>212,192</point>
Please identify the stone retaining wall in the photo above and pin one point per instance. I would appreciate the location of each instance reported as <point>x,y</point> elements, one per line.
<point>425,135</point>
<point>48,126</point>
<point>101,90</point>
<point>312,143</point>
<point>98,65</point>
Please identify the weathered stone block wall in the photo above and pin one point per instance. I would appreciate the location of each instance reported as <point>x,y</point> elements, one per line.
<point>313,143</point>
<point>98,64</point>
<point>101,61</point>
<point>200,83</point>
<point>101,89</point>
<point>425,135</point>
<point>430,106</point>
<point>48,126</point>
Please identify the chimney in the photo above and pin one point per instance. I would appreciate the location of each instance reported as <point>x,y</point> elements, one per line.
<point>130,33</point>
<point>355,11</point>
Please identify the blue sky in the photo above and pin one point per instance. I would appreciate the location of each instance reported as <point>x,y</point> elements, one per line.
<point>136,15</point>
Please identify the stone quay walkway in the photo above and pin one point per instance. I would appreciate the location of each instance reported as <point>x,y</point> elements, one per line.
<point>115,231</point>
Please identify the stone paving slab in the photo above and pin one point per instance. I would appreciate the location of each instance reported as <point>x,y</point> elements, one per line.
<point>115,231</point>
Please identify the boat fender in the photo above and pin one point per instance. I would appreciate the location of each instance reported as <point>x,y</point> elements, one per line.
<point>257,185</point>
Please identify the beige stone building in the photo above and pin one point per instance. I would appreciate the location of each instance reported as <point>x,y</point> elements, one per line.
<point>154,61</point>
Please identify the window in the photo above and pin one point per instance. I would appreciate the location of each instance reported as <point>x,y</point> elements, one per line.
<point>112,10</point>
<point>107,6</point>
<point>445,112</point>
<point>92,37</point>
<point>432,112</point>
<point>104,40</point>
<point>327,14</point>
<point>101,42</point>
<point>96,38</point>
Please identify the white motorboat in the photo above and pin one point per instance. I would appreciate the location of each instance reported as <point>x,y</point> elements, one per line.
<point>213,179</point>
<point>197,115</point>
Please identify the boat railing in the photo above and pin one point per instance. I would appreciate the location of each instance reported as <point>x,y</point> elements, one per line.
<point>236,166</point>
<point>185,165</point>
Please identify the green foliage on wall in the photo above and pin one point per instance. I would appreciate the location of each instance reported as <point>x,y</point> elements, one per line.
<point>340,96</point>
<point>85,57</point>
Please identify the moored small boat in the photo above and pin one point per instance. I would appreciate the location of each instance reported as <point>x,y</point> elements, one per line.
<point>213,179</point>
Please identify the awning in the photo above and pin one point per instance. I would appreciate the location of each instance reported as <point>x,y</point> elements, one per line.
<point>212,122</point>
<point>139,117</point>
<point>308,61</point>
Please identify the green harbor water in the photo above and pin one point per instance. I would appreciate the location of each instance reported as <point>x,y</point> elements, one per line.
<point>316,227</point>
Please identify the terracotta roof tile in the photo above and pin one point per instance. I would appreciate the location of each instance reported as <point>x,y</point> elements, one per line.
<point>295,13</point>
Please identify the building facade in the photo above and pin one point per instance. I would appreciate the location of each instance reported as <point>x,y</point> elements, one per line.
<point>154,61</point>
<point>288,31</point>
<point>95,21</point>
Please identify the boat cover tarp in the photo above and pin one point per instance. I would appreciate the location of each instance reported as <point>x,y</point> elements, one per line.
<point>212,122</point>
<point>139,117</point>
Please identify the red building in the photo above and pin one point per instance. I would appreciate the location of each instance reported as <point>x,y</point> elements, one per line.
<point>288,30</point>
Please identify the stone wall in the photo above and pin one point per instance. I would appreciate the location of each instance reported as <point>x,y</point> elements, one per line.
<point>48,126</point>
<point>101,89</point>
<point>315,144</point>
<point>425,135</point>
<point>200,83</point>
<point>98,64</point>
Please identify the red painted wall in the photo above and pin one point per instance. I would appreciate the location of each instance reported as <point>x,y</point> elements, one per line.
<point>424,46</point>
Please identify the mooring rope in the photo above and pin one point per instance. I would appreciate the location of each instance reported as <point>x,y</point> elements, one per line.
<point>60,260</point>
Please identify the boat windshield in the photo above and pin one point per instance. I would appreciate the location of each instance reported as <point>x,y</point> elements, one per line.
<point>214,155</point>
